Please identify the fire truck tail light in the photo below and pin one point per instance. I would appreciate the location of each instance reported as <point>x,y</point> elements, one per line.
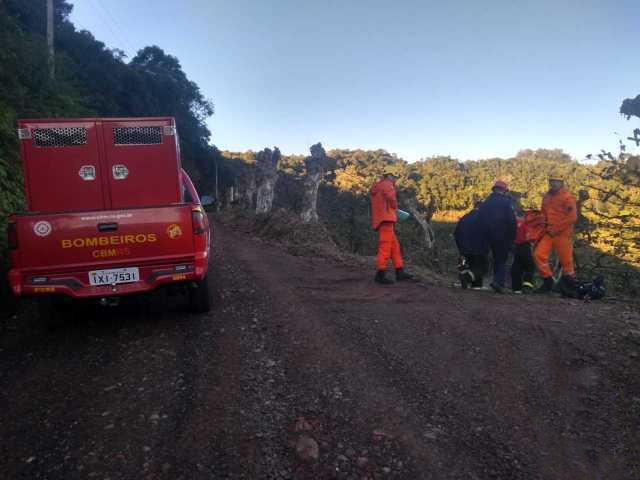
<point>197,218</point>
<point>12,235</point>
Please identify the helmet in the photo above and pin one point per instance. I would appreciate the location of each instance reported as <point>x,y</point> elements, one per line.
<point>556,174</point>
<point>390,170</point>
<point>501,184</point>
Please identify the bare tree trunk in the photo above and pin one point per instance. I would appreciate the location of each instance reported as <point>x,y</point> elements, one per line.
<point>228,197</point>
<point>317,165</point>
<point>265,194</point>
<point>310,199</point>
<point>235,189</point>
<point>422,216</point>
<point>248,189</point>
<point>429,235</point>
<point>267,165</point>
<point>248,196</point>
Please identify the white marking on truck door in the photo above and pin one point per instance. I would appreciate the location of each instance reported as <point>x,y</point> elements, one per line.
<point>42,228</point>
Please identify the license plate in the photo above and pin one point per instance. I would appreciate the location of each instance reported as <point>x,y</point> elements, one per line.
<point>116,275</point>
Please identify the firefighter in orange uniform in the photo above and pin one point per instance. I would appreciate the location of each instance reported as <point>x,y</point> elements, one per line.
<point>560,211</point>
<point>384,205</point>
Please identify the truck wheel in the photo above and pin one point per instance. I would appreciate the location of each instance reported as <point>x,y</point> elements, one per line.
<point>158,301</point>
<point>42,312</point>
<point>199,298</point>
<point>54,314</point>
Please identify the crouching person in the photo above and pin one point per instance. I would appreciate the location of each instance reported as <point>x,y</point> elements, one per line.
<point>523,265</point>
<point>473,249</point>
<point>384,206</point>
<point>498,221</point>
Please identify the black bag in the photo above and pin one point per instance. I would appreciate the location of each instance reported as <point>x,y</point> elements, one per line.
<point>572,288</point>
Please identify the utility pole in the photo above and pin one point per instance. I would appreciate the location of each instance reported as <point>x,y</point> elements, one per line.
<point>217,197</point>
<point>52,63</point>
<point>216,164</point>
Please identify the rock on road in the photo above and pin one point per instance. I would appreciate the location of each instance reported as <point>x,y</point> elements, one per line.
<point>306,369</point>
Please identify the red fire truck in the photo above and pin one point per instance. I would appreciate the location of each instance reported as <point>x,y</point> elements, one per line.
<point>110,212</point>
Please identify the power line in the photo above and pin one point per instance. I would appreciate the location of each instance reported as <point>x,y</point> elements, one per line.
<point>118,26</point>
<point>107,22</point>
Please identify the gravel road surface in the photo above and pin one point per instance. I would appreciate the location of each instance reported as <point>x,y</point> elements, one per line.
<point>306,369</point>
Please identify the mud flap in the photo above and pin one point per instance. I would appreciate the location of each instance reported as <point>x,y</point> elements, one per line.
<point>43,312</point>
<point>200,297</point>
<point>157,302</point>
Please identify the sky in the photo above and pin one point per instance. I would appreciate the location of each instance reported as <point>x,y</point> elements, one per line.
<point>467,78</point>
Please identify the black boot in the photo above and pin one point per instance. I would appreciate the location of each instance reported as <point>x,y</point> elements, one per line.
<point>546,287</point>
<point>382,278</point>
<point>402,275</point>
<point>568,286</point>
<point>464,283</point>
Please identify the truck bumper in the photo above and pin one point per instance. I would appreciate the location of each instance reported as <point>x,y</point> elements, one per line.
<point>75,284</point>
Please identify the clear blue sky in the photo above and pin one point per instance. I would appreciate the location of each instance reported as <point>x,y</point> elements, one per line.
<point>467,78</point>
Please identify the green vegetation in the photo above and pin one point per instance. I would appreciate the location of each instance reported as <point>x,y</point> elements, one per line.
<point>608,192</point>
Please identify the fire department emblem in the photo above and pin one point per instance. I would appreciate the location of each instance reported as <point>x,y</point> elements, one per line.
<point>174,231</point>
<point>42,228</point>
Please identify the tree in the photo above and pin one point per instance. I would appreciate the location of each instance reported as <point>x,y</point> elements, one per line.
<point>247,188</point>
<point>357,170</point>
<point>317,166</point>
<point>267,166</point>
<point>408,199</point>
<point>631,107</point>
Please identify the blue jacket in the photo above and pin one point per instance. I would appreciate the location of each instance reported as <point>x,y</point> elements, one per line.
<point>498,220</point>
<point>469,235</point>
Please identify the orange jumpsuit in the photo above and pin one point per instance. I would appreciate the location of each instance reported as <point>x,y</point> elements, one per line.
<point>384,205</point>
<point>560,212</point>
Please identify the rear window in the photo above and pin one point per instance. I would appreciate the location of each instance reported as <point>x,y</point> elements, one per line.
<point>186,194</point>
<point>137,135</point>
<point>60,137</point>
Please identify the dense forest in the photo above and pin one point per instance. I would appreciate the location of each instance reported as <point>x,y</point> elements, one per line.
<point>330,186</point>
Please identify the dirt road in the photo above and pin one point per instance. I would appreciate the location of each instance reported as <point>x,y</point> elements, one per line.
<point>303,358</point>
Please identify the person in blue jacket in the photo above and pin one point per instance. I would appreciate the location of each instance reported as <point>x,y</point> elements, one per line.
<point>473,249</point>
<point>498,223</point>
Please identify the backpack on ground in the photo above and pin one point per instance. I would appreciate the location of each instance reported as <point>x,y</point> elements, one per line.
<point>593,290</point>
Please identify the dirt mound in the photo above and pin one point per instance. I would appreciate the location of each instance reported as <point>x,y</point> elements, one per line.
<point>287,229</point>
<point>308,240</point>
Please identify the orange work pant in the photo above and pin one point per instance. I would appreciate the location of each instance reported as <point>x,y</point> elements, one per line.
<point>563,245</point>
<point>388,247</point>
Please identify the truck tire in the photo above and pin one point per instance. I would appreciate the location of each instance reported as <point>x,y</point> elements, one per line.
<point>42,312</point>
<point>157,302</point>
<point>53,313</point>
<point>199,297</point>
